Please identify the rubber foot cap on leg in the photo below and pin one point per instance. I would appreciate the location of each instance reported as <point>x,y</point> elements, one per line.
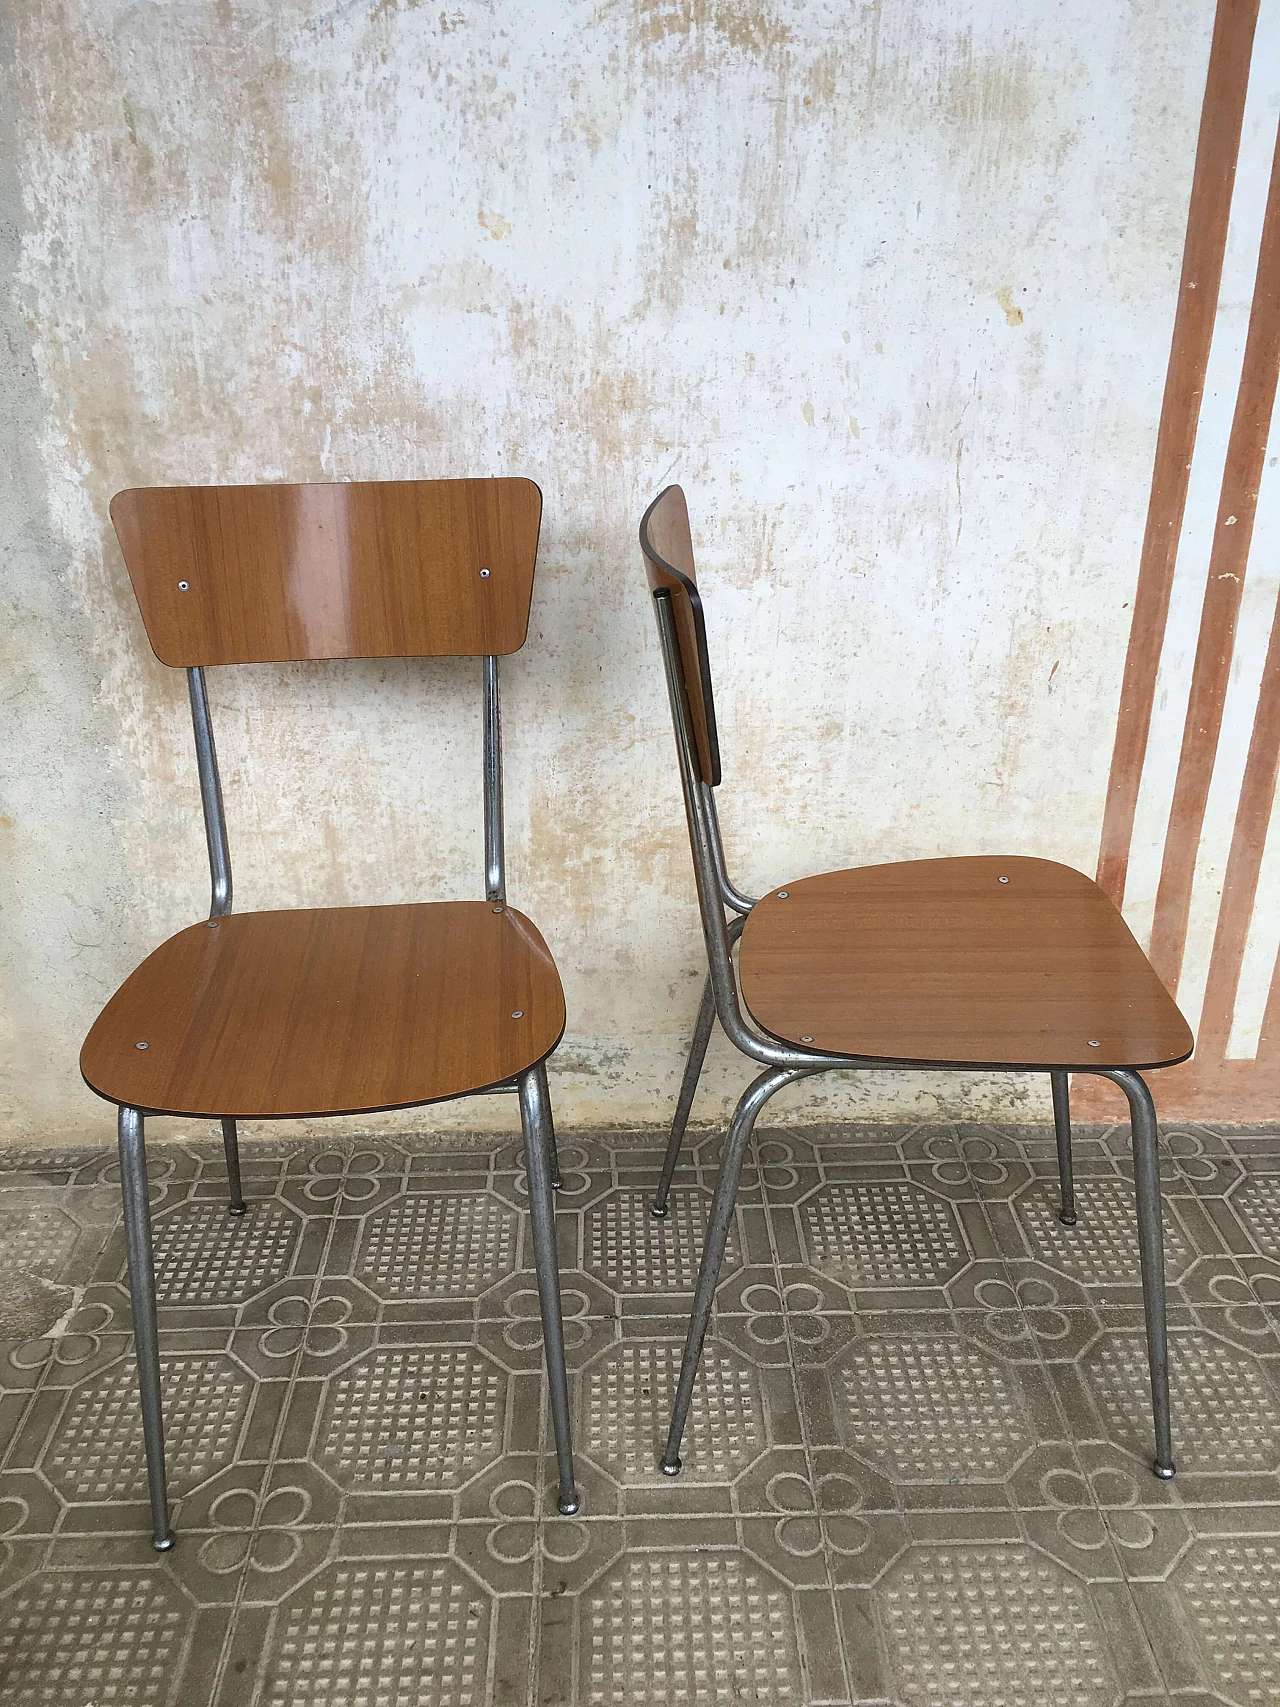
<point>657,1211</point>
<point>237,1209</point>
<point>1165,1471</point>
<point>568,1503</point>
<point>1068,1217</point>
<point>556,1182</point>
<point>165,1546</point>
<point>671,1469</point>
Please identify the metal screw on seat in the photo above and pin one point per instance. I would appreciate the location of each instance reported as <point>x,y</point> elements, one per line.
<point>518,1013</point>
<point>783,893</point>
<point>1002,879</point>
<point>141,1046</point>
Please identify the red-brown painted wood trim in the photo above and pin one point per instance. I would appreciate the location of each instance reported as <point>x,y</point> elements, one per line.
<point>1244,863</point>
<point>1228,564</point>
<point>1217,150</point>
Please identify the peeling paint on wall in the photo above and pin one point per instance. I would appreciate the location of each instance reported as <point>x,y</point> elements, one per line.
<point>889,290</point>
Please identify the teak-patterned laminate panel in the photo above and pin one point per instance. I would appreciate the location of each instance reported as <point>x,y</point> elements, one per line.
<point>334,1011</point>
<point>370,569</point>
<point>667,545</point>
<point>941,960</point>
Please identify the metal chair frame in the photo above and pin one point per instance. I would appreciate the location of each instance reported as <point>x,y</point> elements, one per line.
<point>530,1086</point>
<point>786,1065</point>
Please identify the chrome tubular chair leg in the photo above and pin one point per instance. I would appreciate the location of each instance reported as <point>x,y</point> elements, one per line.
<point>535,1119</point>
<point>1062,1127</point>
<point>1146,1167</point>
<point>142,1285</point>
<point>750,1103</point>
<point>557,1179</point>
<point>231,1145</point>
<point>688,1090</point>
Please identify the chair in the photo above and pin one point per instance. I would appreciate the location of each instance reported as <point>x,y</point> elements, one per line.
<point>339,1010</point>
<point>1004,964</point>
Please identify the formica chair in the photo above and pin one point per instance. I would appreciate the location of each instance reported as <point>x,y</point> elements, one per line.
<point>337,1010</point>
<point>1003,964</point>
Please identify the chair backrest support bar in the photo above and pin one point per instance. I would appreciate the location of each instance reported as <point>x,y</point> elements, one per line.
<point>711,901</point>
<point>215,821</point>
<point>495,863</point>
<point>730,894</point>
<point>215,818</point>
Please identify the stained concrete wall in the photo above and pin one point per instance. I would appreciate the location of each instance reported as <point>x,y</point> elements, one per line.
<point>887,287</point>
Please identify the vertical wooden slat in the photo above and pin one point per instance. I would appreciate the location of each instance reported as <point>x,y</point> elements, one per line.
<point>1244,863</point>
<point>1267,1066</point>
<point>1228,563</point>
<point>1217,150</point>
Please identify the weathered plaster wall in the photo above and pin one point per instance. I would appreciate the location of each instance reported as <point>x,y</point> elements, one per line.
<point>887,287</point>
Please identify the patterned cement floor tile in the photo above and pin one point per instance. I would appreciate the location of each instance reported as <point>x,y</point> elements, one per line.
<point>49,1243</point>
<point>35,1239</point>
<point>1102,1248</point>
<point>1226,1407</point>
<point>993,1624</point>
<point>926,1408</point>
<point>92,1635</point>
<point>706,1626</point>
<point>626,1404</point>
<point>1241,1651</point>
<point>914,1471</point>
<point>888,1235</point>
<point>94,1453</point>
<point>368,1631</point>
<point>438,1245</point>
<point>1215,1624</point>
<point>205,1256</point>
<point>420,1417</point>
<point>631,1252</point>
<point>1257,1203</point>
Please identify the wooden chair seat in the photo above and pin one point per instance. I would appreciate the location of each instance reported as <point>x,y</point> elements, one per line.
<point>939,961</point>
<point>340,1010</point>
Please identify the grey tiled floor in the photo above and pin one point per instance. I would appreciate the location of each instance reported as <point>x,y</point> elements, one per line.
<point>915,1469</point>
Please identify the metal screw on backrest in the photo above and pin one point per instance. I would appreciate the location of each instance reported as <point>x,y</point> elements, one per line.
<point>1002,879</point>
<point>518,1013</point>
<point>183,586</point>
<point>484,574</point>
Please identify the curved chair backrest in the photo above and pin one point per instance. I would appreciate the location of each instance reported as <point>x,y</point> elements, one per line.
<point>668,559</point>
<point>373,569</point>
